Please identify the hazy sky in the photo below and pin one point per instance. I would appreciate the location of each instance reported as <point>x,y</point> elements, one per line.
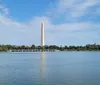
<point>67,22</point>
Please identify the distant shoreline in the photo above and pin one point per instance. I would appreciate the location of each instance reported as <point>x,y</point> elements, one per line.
<point>46,51</point>
<point>49,48</point>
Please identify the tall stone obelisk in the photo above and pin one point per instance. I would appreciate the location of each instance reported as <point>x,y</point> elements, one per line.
<point>42,34</point>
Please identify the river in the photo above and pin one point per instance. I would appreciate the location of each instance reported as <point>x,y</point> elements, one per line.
<point>52,68</point>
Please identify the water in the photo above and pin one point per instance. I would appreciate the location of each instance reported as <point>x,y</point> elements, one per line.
<point>59,68</point>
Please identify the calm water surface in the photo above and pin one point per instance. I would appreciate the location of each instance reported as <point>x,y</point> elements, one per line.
<point>59,68</point>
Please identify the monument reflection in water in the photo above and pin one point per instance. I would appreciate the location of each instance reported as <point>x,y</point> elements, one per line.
<point>43,72</point>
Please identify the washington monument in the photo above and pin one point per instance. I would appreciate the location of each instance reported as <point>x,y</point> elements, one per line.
<point>42,34</point>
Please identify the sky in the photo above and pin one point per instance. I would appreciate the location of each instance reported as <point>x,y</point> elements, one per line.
<point>67,22</point>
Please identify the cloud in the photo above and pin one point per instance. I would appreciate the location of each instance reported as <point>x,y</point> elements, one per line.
<point>72,10</point>
<point>29,33</point>
<point>4,9</point>
<point>67,33</point>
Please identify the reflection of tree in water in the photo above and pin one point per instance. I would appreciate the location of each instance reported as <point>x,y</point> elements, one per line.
<point>43,75</point>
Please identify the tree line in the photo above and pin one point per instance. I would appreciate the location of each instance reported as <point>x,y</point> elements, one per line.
<point>88,47</point>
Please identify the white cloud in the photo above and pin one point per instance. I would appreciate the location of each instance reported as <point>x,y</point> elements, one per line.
<point>73,8</point>
<point>4,9</point>
<point>13,32</point>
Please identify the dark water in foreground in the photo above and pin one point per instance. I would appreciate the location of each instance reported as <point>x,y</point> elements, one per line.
<point>59,68</point>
